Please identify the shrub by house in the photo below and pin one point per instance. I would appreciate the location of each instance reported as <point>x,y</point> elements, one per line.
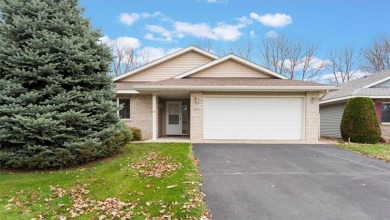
<point>360,122</point>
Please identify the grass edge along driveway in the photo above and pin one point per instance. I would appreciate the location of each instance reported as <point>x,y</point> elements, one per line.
<point>148,180</point>
<point>378,151</point>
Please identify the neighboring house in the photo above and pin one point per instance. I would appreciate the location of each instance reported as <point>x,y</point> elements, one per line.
<point>208,98</point>
<point>375,86</point>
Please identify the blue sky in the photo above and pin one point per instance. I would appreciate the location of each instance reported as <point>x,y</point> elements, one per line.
<point>164,26</point>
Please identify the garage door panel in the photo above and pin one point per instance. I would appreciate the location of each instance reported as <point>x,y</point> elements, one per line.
<point>253,118</point>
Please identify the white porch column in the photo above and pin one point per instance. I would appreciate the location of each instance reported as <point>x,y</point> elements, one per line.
<point>154,116</point>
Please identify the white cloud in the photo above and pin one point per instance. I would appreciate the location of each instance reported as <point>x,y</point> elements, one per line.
<point>245,20</point>
<point>227,32</point>
<point>148,15</point>
<point>129,41</point>
<point>222,31</point>
<point>252,34</point>
<point>273,20</point>
<point>271,34</point>
<point>216,1</point>
<point>130,19</point>
<point>105,40</point>
<point>164,33</point>
<point>148,54</point>
<point>121,41</point>
<point>200,30</point>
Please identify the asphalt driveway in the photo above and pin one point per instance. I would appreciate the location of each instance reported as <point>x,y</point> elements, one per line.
<point>255,181</point>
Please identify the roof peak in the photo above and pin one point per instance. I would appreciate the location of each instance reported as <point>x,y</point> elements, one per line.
<point>166,58</point>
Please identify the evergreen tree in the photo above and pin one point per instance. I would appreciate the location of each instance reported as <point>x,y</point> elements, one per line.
<point>56,106</point>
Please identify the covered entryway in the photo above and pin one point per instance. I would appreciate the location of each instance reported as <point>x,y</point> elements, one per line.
<point>177,118</point>
<point>172,115</point>
<point>253,118</point>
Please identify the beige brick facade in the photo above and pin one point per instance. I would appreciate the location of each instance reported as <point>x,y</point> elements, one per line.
<point>385,128</point>
<point>141,116</point>
<point>140,113</point>
<point>312,117</point>
<point>196,117</point>
<point>385,132</point>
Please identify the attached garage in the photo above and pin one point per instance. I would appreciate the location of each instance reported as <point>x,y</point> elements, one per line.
<point>253,118</point>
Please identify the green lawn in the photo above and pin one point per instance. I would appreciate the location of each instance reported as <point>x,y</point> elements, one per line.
<point>148,180</point>
<point>378,151</point>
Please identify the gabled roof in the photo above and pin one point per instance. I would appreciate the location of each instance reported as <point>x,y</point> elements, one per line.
<point>232,84</point>
<point>360,87</point>
<point>231,57</point>
<point>166,58</point>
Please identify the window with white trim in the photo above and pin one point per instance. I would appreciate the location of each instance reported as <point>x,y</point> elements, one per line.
<point>125,110</point>
<point>386,112</point>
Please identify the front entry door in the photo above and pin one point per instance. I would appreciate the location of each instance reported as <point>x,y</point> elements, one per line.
<point>174,125</point>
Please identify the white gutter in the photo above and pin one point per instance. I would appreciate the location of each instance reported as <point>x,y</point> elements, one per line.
<point>354,96</point>
<point>337,99</point>
<point>126,91</point>
<point>236,88</point>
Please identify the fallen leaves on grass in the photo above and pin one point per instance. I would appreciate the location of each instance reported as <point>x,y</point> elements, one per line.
<point>109,208</point>
<point>81,204</point>
<point>57,191</point>
<point>155,165</point>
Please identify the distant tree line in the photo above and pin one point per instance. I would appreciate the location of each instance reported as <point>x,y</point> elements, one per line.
<point>295,59</point>
<point>300,60</point>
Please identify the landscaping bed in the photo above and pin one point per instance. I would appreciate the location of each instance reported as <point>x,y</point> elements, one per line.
<point>147,181</point>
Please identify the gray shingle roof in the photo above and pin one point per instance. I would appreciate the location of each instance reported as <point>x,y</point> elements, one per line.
<point>230,81</point>
<point>355,87</point>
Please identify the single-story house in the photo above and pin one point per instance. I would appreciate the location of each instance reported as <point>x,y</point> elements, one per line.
<point>197,94</point>
<point>375,86</point>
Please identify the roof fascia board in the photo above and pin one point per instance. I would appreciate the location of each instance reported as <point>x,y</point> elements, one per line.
<point>354,96</point>
<point>227,57</point>
<point>376,83</point>
<point>126,91</point>
<point>237,88</point>
<point>166,58</point>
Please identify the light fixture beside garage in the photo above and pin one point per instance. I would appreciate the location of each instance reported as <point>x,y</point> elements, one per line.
<point>313,99</point>
<point>196,99</point>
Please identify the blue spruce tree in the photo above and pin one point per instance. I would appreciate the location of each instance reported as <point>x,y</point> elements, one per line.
<point>56,106</point>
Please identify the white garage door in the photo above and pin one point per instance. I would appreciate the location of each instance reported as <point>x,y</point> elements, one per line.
<point>253,118</point>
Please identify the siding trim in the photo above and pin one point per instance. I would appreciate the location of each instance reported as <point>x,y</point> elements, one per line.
<point>330,119</point>
<point>235,58</point>
<point>166,58</point>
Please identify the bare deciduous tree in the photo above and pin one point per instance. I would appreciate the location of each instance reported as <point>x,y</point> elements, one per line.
<point>124,57</point>
<point>243,48</point>
<point>274,52</point>
<point>343,65</point>
<point>204,44</point>
<point>293,59</point>
<point>145,56</point>
<point>377,55</point>
<point>311,66</point>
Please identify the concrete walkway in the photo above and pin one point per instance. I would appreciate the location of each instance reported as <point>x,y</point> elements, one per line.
<point>179,139</point>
